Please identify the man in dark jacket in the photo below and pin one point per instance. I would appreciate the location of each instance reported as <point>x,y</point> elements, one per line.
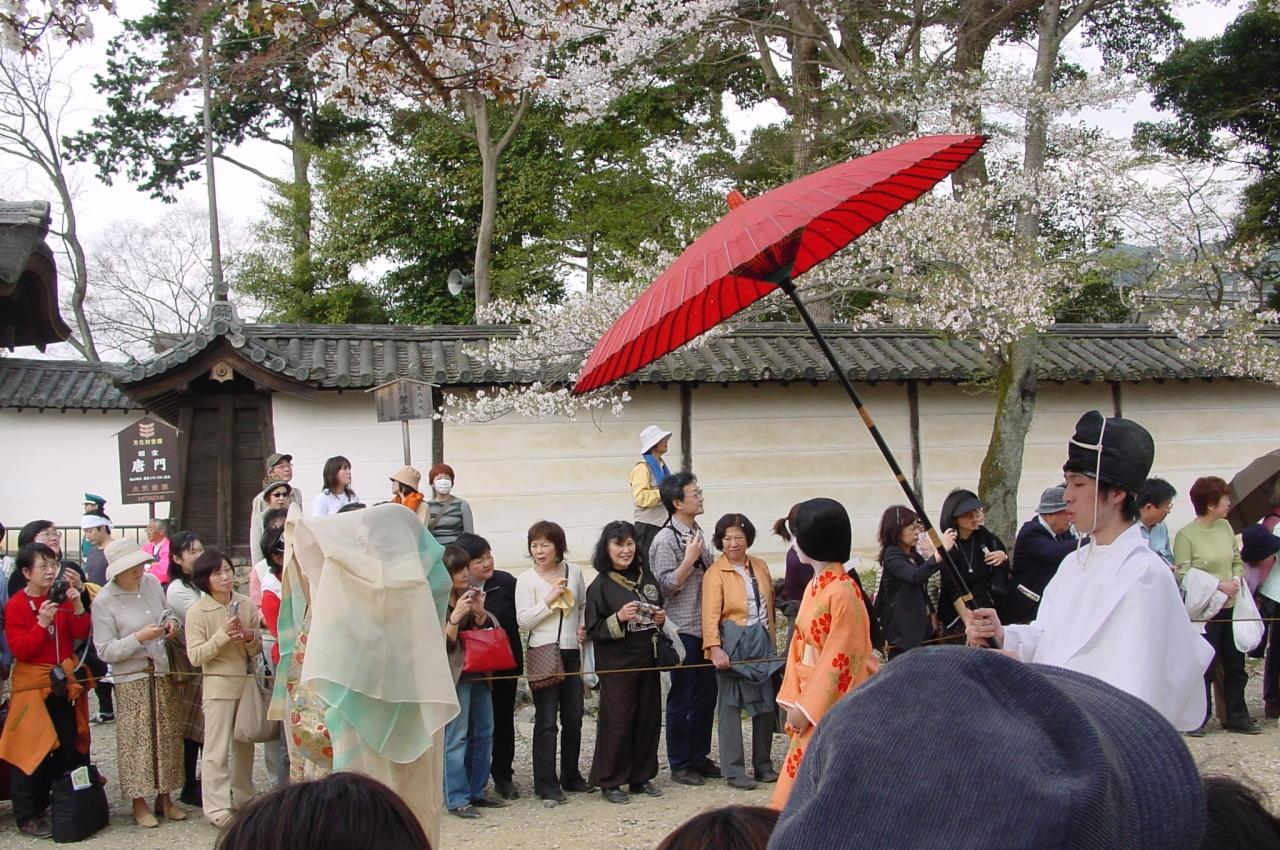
<point>1042,543</point>
<point>499,600</point>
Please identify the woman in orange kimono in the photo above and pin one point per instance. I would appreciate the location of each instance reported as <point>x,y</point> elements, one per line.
<point>830,651</point>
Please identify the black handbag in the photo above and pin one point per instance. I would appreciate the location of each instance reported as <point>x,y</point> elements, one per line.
<point>75,814</point>
<point>664,650</point>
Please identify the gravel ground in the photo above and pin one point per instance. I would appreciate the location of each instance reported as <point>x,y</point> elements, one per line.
<point>588,822</point>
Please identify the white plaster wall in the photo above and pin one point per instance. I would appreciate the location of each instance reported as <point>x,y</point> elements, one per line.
<point>344,423</point>
<point>759,450</point>
<point>1203,428</point>
<point>48,460</point>
<point>515,471</point>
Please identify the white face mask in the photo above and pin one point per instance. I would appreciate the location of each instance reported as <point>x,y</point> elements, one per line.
<point>442,485</point>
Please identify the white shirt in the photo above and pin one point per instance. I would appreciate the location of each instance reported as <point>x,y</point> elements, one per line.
<point>326,503</point>
<point>753,601</point>
<point>541,622</point>
<point>1114,612</point>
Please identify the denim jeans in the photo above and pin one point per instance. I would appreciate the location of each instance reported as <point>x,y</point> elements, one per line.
<point>468,745</point>
<point>691,707</point>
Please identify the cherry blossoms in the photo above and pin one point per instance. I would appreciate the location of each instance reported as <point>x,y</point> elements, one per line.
<point>406,52</point>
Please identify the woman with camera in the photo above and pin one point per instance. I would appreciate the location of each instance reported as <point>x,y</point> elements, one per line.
<point>222,637</point>
<point>47,732</point>
<point>624,617</point>
<point>131,625</point>
<point>549,603</point>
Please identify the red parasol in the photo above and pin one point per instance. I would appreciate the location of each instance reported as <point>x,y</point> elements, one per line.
<point>763,243</point>
<point>759,247</point>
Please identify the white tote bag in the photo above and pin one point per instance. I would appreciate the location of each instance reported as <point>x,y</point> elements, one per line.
<point>1246,622</point>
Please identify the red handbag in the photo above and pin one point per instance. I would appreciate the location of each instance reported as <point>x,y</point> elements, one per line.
<point>486,650</point>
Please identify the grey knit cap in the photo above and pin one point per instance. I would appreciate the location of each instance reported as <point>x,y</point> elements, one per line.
<point>948,747</point>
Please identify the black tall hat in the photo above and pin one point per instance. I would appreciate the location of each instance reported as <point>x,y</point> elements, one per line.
<point>1127,451</point>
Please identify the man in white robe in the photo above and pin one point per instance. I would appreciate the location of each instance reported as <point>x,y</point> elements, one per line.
<point>1112,610</point>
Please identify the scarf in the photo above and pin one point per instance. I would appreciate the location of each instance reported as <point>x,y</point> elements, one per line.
<point>410,501</point>
<point>657,468</point>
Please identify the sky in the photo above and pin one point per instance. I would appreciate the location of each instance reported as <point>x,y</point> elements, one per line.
<point>240,194</point>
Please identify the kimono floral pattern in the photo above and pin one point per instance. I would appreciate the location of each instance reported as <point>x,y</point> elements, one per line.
<point>830,653</point>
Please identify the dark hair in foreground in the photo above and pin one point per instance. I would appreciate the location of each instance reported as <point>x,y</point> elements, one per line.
<point>27,555</point>
<point>550,532</point>
<point>1206,492</point>
<point>729,828</point>
<point>475,545</point>
<point>31,529</point>
<point>617,531</point>
<point>340,812</point>
<point>1237,817</point>
<point>329,474</point>
<point>455,559</point>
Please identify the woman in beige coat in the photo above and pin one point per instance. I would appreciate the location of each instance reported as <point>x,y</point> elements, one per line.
<point>222,638</point>
<point>737,588</point>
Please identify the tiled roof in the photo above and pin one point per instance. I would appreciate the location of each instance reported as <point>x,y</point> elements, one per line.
<point>364,356</point>
<point>59,384</point>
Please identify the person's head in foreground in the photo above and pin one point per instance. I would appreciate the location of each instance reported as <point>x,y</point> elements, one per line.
<point>343,811</point>
<point>908,757</point>
<point>1107,465</point>
<point>728,828</point>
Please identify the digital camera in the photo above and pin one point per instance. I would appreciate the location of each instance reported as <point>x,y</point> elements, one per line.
<point>58,591</point>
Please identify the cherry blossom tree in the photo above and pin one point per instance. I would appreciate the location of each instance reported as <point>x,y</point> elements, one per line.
<point>468,56</point>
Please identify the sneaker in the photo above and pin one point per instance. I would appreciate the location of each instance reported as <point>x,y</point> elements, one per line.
<point>468,811</point>
<point>106,717</point>
<point>506,789</point>
<point>36,828</point>
<point>742,783</point>
<point>616,795</point>
<point>687,776</point>
<point>646,788</point>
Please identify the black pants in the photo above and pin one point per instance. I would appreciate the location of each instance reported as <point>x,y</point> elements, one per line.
<point>691,709</point>
<point>1271,667</point>
<point>31,793</point>
<point>628,727</point>
<point>566,700</point>
<point>504,727</point>
<point>1218,633</point>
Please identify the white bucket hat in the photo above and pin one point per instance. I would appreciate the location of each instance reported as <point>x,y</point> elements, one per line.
<point>124,555</point>
<point>651,436</point>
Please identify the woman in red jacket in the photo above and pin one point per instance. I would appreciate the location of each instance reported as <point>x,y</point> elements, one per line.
<point>48,729</point>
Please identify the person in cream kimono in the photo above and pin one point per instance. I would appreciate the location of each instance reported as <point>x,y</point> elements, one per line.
<point>1113,610</point>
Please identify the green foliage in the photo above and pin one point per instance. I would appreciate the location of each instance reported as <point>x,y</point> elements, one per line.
<point>1227,89</point>
<point>574,199</point>
<point>1094,299</point>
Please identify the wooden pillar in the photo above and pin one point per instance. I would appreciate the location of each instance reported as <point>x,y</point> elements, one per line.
<point>1115,399</point>
<point>686,427</point>
<point>437,427</point>
<point>913,419</point>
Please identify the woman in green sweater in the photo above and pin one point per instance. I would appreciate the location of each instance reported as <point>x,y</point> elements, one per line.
<point>1209,544</point>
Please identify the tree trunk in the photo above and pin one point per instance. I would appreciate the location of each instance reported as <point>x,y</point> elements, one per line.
<point>215,241</point>
<point>79,269</point>
<point>300,203</point>
<point>589,248</point>
<point>477,108</point>
<point>1015,409</point>
<point>1016,381</point>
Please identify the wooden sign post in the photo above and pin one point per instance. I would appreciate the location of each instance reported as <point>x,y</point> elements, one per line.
<point>148,463</point>
<point>403,400</point>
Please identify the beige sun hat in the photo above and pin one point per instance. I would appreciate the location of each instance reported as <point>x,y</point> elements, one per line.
<point>651,436</point>
<point>408,476</point>
<point>124,555</point>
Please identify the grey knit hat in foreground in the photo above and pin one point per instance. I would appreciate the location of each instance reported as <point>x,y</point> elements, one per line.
<point>948,747</point>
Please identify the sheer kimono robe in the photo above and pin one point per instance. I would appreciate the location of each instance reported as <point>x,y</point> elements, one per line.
<point>368,687</point>
<point>830,653</point>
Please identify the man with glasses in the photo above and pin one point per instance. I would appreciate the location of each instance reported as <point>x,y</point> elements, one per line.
<point>679,558</point>
<point>279,468</point>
